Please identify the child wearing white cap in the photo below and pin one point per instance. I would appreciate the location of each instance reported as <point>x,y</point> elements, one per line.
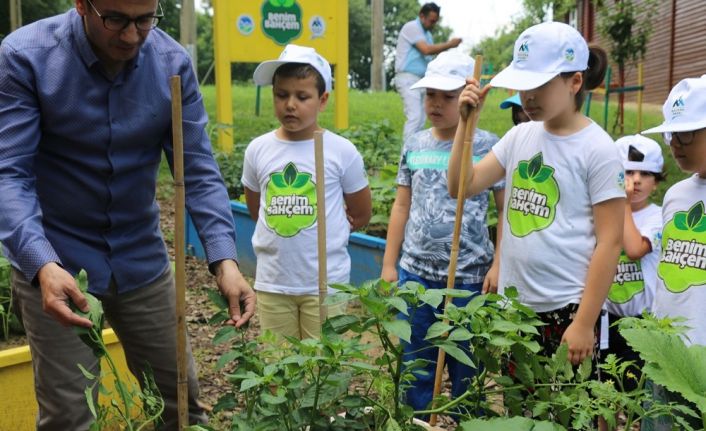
<point>566,187</point>
<point>632,291</point>
<point>279,179</point>
<point>681,271</point>
<point>422,221</point>
<point>681,283</point>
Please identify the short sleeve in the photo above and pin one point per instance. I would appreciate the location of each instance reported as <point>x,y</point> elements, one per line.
<point>606,177</point>
<point>249,177</point>
<point>482,144</point>
<point>501,149</point>
<point>412,32</point>
<point>404,174</point>
<point>652,230</point>
<point>354,176</point>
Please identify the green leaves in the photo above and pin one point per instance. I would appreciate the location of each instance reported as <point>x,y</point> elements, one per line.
<point>695,215</point>
<point>92,337</point>
<point>290,174</point>
<point>692,220</point>
<point>535,164</point>
<point>509,424</point>
<point>670,363</point>
<point>282,3</point>
<point>399,328</point>
<point>534,170</point>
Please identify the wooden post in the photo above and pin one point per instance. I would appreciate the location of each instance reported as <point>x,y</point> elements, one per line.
<point>640,82</point>
<point>15,14</point>
<point>187,30</point>
<point>377,68</point>
<point>453,260</point>
<point>321,221</point>
<point>180,276</point>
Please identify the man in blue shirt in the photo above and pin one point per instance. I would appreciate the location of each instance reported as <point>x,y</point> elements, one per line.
<point>415,48</point>
<point>84,118</point>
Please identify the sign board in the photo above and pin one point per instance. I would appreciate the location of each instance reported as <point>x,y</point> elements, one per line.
<point>252,31</point>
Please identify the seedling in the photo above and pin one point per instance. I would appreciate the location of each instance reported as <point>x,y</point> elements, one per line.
<point>135,407</point>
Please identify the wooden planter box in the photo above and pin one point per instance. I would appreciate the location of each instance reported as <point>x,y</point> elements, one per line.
<point>18,406</point>
<point>366,251</point>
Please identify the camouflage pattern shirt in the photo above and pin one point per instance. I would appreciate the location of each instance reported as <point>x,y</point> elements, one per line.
<point>429,230</point>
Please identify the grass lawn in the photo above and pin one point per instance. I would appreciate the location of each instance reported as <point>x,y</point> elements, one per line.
<point>367,108</point>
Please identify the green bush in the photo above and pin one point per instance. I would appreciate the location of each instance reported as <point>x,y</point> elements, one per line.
<point>9,322</point>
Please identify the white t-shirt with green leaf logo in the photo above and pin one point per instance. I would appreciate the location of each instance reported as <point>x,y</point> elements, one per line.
<point>285,238</point>
<point>681,271</point>
<point>552,183</point>
<point>633,288</point>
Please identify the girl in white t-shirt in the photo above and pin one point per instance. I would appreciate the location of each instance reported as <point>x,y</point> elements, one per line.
<point>633,288</point>
<point>681,271</point>
<point>565,187</point>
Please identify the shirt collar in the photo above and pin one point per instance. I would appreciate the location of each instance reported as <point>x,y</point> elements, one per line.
<point>78,32</point>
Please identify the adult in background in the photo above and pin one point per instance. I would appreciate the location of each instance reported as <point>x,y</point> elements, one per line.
<point>415,48</point>
<point>84,119</point>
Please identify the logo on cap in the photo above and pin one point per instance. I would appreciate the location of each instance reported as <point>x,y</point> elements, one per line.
<point>523,51</point>
<point>569,54</point>
<point>678,107</point>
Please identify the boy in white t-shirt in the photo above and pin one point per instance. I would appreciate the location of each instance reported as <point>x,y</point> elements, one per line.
<point>681,271</point>
<point>632,291</point>
<point>279,179</point>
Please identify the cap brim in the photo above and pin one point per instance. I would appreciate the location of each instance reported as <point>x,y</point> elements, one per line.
<point>675,127</point>
<point>641,166</point>
<point>266,70</point>
<point>513,100</point>
<point>518,79</point>
<point>439,83</point>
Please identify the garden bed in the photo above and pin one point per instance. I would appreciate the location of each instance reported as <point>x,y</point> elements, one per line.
<point>366,251</point>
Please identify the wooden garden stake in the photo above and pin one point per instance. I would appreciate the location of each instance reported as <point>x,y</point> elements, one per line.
<point>321,220</point>
<point>471,124</point>
<point>179,204</point>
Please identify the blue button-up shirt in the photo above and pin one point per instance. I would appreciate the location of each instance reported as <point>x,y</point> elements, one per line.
<point>80,152</point>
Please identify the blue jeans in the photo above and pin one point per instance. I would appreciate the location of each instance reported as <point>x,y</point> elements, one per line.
<point>420,393</point>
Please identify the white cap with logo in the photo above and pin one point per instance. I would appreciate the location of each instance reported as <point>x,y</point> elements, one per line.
<point>652,161</point>
<point>293,54</point>
<point>448,71</point>
<point>685,108</point>
<point>542,52</point>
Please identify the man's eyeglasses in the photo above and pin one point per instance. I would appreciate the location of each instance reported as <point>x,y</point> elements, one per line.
<point>121,22</point>
<point>683,138</point>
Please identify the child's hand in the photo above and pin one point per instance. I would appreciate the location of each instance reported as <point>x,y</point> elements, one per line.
<point>471,97</point>
<point>389,273</point>
<point>629,188</point>
<point>581,340</point>
<point>490,283</point>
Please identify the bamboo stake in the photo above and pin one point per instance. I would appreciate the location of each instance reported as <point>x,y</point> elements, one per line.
<point>640,82</point>
<point>471,124</point>
<point>180,275</point>
<point>321,221</point>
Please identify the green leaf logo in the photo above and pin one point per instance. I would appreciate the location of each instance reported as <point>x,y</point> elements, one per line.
<point>535,165</point>
<point>290,200</point>
<point>281,20</point>
<point>628,280</point>
<point>683,260</point>
<point>290,174</point>
<point>535,194</point>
